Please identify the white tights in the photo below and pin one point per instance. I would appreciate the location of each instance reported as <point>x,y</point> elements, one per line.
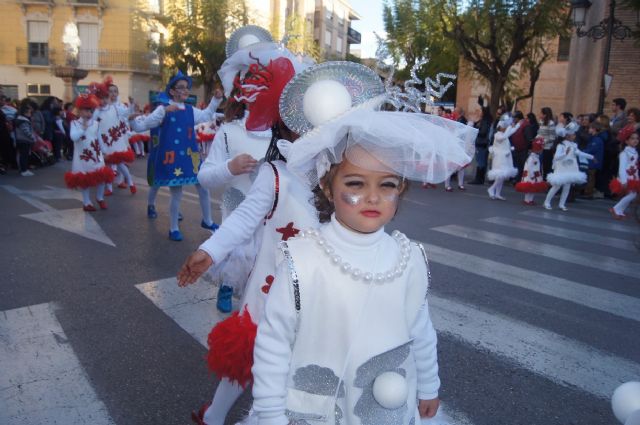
<point>563,196</point>
<point>226,394</point>
<point>623,203</point>
<point>496,187</point>
<point>174,205</point>
<point>447,182</point>
<point>528,197</point>
<point>86,198</point>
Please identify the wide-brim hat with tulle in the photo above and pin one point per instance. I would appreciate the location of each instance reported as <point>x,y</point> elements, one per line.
<point>334,106</point>
<point>178,77</point>
<point>246,36</point>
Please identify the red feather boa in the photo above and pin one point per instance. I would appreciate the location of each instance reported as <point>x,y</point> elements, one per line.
<point>619,189</point>
<point>85,180</point>
<point>231,348</point>
<point>139,138</point>
<point>204,137</point>
<point>529,187</point>
<point>118,157</point>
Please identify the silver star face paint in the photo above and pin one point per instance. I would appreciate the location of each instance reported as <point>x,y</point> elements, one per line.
<point>351,198</point>
<point>391,197</point>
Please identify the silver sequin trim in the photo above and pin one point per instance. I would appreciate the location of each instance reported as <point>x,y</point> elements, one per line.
<point>232,198</point>
<point>318,380</point>
<point>293,277</point>
<point>367,408</point>
<point>426,261</point>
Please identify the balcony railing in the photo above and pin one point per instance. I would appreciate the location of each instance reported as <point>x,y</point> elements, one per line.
<point>106,60</point>
<point>353,36</point>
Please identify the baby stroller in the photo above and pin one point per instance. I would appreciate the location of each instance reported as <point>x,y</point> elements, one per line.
<point>42,153</point>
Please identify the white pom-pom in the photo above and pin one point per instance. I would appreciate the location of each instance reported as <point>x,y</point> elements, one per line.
<point>247,40</point>
<point>390,390</point>
<point>325,99</point>
<point>626,401</point>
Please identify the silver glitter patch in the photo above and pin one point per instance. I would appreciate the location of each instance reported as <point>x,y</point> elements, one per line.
<point>231,198</point>
<point>234,40</point>
<point>367,408</point>
<point>426,261</point>
<point>339,415</point>
<point>318,380</point>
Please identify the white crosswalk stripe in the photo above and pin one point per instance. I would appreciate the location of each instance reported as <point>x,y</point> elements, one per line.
<point>42,381</point>
<point>562,232</point>
<point>600,224</point>
<point>587,259</point>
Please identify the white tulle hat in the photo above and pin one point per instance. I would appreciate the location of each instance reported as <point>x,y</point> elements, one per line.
<point>246,36</point>
<point>334,106</point>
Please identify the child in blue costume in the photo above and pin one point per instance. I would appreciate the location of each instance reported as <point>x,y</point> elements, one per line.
<point>175,159</point>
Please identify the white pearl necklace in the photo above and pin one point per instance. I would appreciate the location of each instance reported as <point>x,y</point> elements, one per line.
<point>355,273</point>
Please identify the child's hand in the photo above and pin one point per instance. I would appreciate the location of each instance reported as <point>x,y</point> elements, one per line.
<point>428,408</point>
<point>171,108</point>
<point>194,267</point>
<point>242,164</point>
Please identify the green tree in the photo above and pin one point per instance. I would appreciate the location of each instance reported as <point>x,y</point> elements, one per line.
<point>414,32</point>
<point>497,37</point>
<point>198,30</point>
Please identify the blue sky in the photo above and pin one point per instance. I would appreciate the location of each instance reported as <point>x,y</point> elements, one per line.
<point>371,12</point>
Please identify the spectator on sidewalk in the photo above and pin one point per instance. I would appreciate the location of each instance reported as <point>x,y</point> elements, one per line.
<point>595,147</point>
<point>547,131</point>
<point>25,136</point>
<point>619,118</point>
<point>519,143</point>
<point>633,124</point>
<point>482,144</point>
<point>7,150</point>
<point>609,159</point>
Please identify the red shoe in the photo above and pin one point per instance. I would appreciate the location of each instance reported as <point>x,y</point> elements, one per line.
<point>133,189</point>
<point>448,189</point>
<point>102,204</point>
<point>528,203</point>
<point>89,208</point>
<point>198,418</point>
<point>615,215</point>
<point>108,192</point>
<point>122,185</point>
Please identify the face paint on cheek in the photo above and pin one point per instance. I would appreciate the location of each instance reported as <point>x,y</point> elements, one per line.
<point>392,197</point>
<point>350,198</point>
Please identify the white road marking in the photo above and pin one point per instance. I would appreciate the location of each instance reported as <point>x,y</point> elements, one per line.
<point>142,183</point>
<point>601,224</point>
<point>588,296</point>
<point>42,380</point>
<point>601,262</point>
<point>563,232</point>
<point>560,359</point>
<point>71,220</point>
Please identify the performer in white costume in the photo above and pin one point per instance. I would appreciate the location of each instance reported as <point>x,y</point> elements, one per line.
<point>112,119</point>
<point>88,168</point>
<point>628,182</point>
<point>502,161</point>
<point>253,77</point>
<point>565,167</point>
<point>346,335</point>
<point>257,215</point>
<point>532,181</point>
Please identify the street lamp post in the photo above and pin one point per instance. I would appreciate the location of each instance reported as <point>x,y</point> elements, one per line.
<point>609,27</point>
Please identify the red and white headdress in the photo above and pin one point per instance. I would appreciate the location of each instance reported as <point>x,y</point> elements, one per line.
<point>87,101</point>
<point>101,90</point>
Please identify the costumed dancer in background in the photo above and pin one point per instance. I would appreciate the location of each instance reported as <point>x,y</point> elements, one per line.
<point>348,284</point>
<point>532,181</point>
<point>88,168</point>
<point>154,142</point>
<point>628,182</point>
<point>253,76</point>
<point>175,161</point>
<point>460,177</point>
<point>502,161</point>
<point>114,131</point>
<point>565,167</point>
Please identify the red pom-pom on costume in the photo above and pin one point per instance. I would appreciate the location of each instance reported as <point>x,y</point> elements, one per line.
<point>85,180</point>
<point>529,187</point>
<point>139,138</point>
<point>87,101</point>
<point>119,157</point>
<point>231,348</point>
<point>633,185</point>
<point>205,137</point>
<point>616,187</point>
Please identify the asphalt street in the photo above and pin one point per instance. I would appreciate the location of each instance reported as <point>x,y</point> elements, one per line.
<point>537,312</point>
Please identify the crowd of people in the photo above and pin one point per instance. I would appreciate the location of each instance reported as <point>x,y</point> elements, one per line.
<point>589,156</point>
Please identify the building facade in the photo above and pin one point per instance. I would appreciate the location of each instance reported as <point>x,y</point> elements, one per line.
<point>571,79</point>
<point>113,40</point>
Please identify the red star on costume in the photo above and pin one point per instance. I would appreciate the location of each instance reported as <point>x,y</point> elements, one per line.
<point>288,231</point>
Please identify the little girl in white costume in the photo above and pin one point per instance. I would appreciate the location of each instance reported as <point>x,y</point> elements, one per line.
<point>346,335</point>
<point>532,181</point>
<point>502,161</point>
<point>565,167</point>
<point>628,182</point>
<point>88,168</point>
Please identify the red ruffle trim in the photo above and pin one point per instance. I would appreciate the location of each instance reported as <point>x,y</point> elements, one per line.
<point>139,138</point>
<point>530,187</point>
<point>85,180</point>
<point>119,157</point>
<point>205,137</point>
<point>231,348</point>
<point>618,188</point>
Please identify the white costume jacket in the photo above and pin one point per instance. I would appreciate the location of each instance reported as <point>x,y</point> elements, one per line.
<point>113,130</point>
<point>87,168</point>
<point>628,180</point>
<point>325,337</point>
<point>502,160</point>
<point>565,165</point>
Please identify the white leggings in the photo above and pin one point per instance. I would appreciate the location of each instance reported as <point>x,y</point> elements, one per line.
<point>86,199</point>
<point>528,197</point>
<point>447,182</point>
<point>623,203</point>
<point>226,394</point>
<point>174,205</point>
<point>496,187</point>
<point>563,196</point>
